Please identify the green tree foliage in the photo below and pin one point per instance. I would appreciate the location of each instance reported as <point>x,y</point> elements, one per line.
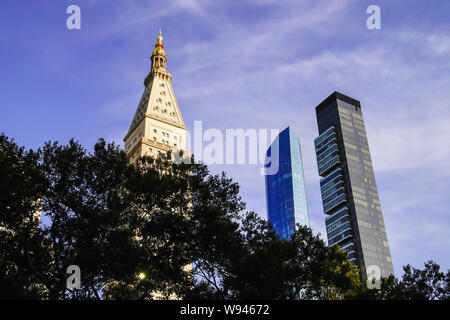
<point>256,264</point>
<point>415,284</point>
<point>156,193</point>
<point>86,217</point>
<point>22,244</point>
<point>159,230</point>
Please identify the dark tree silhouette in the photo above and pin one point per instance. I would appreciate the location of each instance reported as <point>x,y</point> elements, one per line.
<point>22,244</point>
<point>427,284</point>
<point>157,230</point>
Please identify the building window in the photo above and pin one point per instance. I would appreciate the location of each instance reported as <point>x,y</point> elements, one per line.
<point>154,131</point>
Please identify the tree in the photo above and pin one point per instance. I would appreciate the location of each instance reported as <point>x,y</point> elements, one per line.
<point>321,272</point>
<point>22,244</point>
<point>157,194</point>
<point>427,284</point>
<point>87,221</point>
<point>157,229</point>
<point>91,217</point>
<point>259,265</point>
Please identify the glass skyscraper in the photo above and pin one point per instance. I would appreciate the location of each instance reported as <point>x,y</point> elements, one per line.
<point>285,190</point>
<point>354,220</point>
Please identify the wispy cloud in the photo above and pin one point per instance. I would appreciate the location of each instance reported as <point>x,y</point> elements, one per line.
<point>263,74</point>
<point>267,64</point>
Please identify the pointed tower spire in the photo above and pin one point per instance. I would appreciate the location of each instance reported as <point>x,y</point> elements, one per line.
<point>157,125</point>
<point>159,60</point>
<point>159,56</point>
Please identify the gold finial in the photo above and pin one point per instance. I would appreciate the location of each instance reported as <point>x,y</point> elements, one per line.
<point>159,39</point>
<point>159,45</point>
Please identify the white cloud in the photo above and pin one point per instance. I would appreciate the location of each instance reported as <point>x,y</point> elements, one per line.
<point>412,145</point>
<point>435,43</point>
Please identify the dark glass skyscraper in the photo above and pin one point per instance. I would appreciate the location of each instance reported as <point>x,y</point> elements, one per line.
<point>285,190</point>
<point>349,193</point>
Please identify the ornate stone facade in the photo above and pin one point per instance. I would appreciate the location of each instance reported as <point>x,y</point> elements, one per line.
<point>157,125</point>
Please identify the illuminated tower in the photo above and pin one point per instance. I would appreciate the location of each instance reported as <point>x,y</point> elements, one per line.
<point>157,125</point>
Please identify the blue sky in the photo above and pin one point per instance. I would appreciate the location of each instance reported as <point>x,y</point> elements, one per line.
<point>250,64</point>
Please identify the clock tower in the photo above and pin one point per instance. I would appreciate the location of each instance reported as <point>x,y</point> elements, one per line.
<point>157,125</point>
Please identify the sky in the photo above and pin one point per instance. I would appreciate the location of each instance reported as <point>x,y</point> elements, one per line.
<point>261,64</point>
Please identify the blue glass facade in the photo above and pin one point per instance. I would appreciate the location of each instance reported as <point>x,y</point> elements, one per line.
<point>285,190</point>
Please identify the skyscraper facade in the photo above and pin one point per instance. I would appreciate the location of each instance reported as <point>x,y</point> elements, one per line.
<point>285,190</point>
<point>354,220</point>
